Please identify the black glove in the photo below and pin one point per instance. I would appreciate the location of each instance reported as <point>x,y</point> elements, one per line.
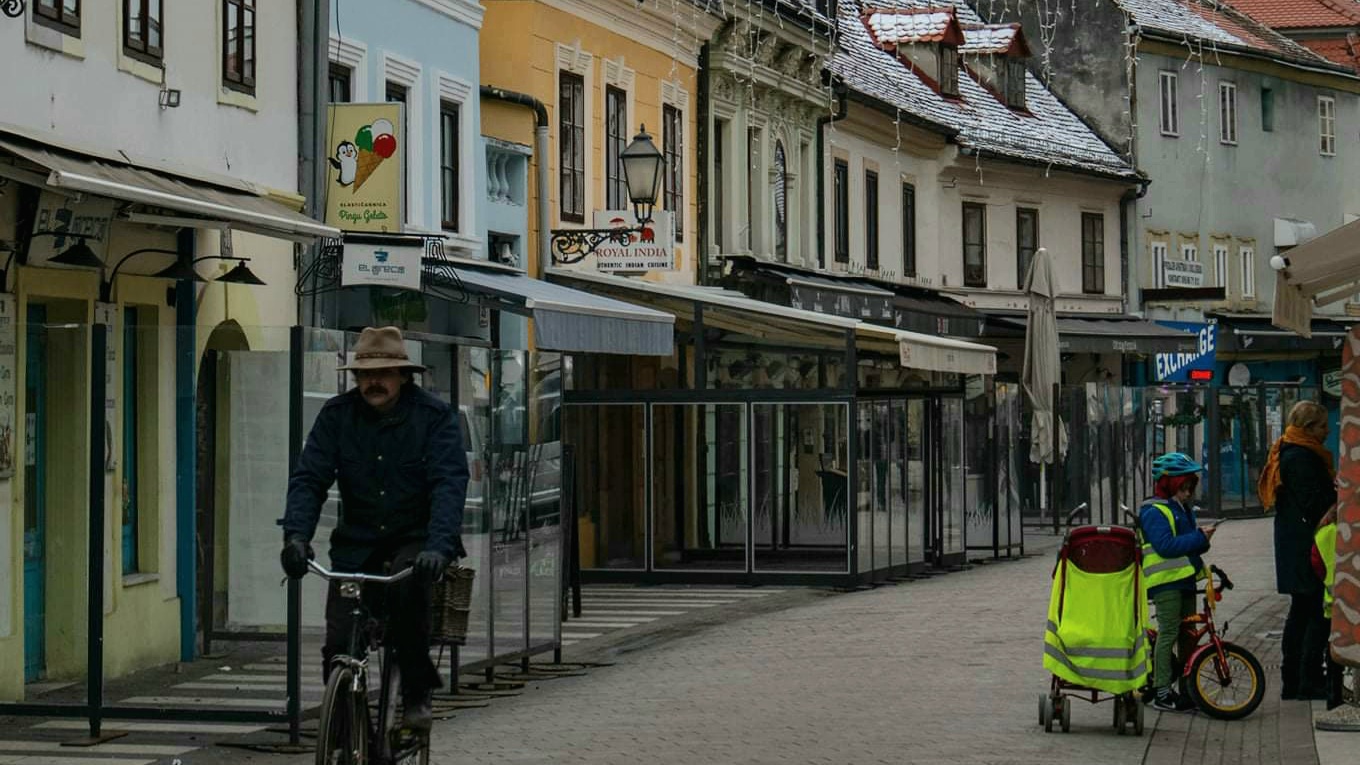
<point>430,565</point>
<point>296,553</point>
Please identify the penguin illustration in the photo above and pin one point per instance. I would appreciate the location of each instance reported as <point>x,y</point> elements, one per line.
<point>346,160</point>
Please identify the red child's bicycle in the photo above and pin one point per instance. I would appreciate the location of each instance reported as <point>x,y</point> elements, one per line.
<point>1224,679</point>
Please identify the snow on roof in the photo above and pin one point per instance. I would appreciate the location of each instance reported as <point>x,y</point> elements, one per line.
<point>989,38</point>
<point>1214,22</point>
<point>916,25</point>
<point>1046,132</point>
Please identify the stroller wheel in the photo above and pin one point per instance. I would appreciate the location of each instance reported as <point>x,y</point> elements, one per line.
<point>1137,719</point>
<point>1120,716</point>
<point>1046,713</point>
<point>1066,715</point>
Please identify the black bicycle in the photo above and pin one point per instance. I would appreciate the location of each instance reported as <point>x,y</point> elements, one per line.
<point>348,734</point>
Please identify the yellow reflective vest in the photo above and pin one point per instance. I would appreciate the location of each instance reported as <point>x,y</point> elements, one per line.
<point>1158,570</point>
<point>1097,628</point>
<point>1325,539</point>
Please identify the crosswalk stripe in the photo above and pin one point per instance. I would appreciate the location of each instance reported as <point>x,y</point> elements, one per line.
<point>668,603</point>
<point>314,690</point>
<point>566,643</point>
<point>674,594</point>
<point>603,625</point>
<point>243,678</point>
<point>153,727</point>
<point>158,750</point>
<point>204,701</point>
<point>606,611</point>
<point>581,635</point>
<point>46,760</point>
<point>610,618</point>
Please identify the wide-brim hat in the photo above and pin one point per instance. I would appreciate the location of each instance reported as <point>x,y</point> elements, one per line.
<point>380,348</point>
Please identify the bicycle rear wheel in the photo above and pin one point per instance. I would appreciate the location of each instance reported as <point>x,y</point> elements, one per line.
<point>342,735</point>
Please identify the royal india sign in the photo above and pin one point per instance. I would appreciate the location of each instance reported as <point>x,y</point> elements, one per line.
<point>651,249</point>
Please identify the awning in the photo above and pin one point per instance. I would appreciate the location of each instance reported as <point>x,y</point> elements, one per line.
<point>1323,271</point>
<point>936,314</point>
<point>1114,334</point>
<point>852,299</point>
<point>936,354</point>
<point>84,173</point>
<point>566,319</point>
<point>738,313</point>
<point>1250,334</point>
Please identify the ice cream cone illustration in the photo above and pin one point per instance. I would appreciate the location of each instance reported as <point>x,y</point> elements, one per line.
<point>376,144</point>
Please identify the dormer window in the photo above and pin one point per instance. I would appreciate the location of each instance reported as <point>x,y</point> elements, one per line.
<point>1015,84</point>
<point>949,70</point>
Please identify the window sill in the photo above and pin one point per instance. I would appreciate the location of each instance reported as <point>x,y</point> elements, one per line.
<point>134,580</point>
<point>50,37</point>
<point>231,97</point>
<point>141,69</point>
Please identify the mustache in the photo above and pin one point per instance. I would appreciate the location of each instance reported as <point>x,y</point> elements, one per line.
<point>376,388</point>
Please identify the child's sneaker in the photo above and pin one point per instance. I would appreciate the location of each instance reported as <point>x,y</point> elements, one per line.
<point>1173,702</point>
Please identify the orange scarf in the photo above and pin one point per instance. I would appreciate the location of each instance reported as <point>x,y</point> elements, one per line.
<point>1270,480</point>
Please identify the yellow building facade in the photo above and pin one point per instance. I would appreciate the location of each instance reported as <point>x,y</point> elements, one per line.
<point>606,55</point>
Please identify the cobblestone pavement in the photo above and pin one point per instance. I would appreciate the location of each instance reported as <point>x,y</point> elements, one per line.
<point>939,671</point>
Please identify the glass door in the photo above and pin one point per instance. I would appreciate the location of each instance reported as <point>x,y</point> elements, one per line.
<point>35,496</point>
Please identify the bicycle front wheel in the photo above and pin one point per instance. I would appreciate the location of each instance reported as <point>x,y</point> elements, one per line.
<point>1231,690</point>
<point>342,735</point>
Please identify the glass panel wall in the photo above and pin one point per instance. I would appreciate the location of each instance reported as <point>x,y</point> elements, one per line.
<point>980,501</point>
<point>864,495</point>
<point>882,465</point>
<point>700,484</point>
<point>917,459</point>
<point>545,501</point>
<point>610,445</point>
<point>953,478</point>
<point>897,482</point>
<point>804,488</point>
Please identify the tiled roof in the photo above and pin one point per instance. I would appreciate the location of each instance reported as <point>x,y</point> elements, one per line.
<point>1337,50</point>
<point>1214,23</point>
<point>1047,132</point>
<point>894,27</point>
<point>1297,14</point>
<point>992,38</point>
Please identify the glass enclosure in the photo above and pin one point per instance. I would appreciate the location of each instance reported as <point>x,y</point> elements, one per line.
<point>801,498</point>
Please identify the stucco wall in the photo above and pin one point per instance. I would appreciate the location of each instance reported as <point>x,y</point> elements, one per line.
<point>943,183</point>
<point>94,95</point>
<point>544,40</point>
<point>1204,188</point>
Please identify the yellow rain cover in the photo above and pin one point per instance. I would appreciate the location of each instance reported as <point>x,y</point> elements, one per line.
<point>1099,640</point>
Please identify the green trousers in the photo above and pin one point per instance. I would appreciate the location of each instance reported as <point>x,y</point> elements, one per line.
<point>1172,606</point>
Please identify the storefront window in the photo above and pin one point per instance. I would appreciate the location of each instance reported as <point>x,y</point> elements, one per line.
<point>954,481</point>
<point>610,448</point>
<point>801,491</point>
<point>700,485</point>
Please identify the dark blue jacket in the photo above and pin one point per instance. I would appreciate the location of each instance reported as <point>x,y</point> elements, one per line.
<point>403,477</point>
<point>1188,540</point>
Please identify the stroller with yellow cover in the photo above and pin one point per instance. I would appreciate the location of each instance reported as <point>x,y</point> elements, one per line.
<point>1095,644</point>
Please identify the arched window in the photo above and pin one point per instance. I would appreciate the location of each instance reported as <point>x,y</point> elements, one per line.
<point>781,195</point>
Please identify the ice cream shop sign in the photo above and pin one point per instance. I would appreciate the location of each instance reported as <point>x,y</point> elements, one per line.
<point>366,167</point>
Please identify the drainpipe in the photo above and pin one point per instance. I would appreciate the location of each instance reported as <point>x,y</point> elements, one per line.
<point>842,109</point>
<point>701,165</point>
<point>313,67</point>
<point>1127,207</point>
<point>541,154</point>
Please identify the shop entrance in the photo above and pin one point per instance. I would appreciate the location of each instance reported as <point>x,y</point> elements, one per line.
<point>35,495</point>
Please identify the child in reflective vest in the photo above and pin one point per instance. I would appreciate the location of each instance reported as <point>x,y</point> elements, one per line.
<point>1323,558</point>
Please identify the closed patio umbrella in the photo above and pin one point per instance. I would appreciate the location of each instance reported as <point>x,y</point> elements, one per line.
<point>1042,364</point>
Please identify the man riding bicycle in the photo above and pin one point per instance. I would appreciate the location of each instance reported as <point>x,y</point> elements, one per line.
<point>397,453</point>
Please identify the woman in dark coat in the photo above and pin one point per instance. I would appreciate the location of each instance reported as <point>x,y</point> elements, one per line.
<point>1299,481</point>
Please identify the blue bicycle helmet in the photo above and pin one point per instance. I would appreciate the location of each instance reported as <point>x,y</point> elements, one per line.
<point>1174,463</point>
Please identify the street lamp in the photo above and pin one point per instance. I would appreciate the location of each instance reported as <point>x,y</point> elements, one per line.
<point>182,270</point>
<point>642,163</point>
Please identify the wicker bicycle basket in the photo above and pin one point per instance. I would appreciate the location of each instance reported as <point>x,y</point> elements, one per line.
<point>452,603</point>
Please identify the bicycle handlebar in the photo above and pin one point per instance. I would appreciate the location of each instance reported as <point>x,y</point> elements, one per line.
<point>337,576</point>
